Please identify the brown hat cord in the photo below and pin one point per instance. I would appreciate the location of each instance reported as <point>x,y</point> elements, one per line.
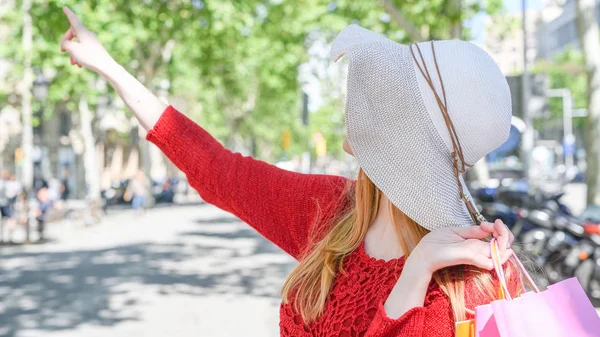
<point>457,155</point>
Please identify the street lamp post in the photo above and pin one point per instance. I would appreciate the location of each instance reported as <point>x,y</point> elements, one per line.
<point>568,137</point>
<point>528,135</point>
<point>40,93</point>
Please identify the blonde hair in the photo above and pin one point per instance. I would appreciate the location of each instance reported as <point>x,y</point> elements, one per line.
<point>308,285</point>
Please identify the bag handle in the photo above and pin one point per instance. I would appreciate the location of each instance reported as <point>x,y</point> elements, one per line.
<point>494,248</point>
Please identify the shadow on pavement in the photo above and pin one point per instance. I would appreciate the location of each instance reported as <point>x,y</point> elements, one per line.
<point>61,290</point>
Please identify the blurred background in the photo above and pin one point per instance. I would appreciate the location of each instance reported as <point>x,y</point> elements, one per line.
<point>100,234</point>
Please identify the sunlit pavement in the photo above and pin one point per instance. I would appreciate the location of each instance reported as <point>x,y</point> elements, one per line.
<point>179,271</point>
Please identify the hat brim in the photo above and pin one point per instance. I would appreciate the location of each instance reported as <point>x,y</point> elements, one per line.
<point>392,135</point>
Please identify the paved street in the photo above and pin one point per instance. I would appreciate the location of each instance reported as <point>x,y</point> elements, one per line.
<point>179,271</point>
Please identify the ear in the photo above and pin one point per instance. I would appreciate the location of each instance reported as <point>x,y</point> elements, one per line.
<point>351,37</point>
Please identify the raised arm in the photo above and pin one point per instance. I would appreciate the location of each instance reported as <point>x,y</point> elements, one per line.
<point>283,206</point>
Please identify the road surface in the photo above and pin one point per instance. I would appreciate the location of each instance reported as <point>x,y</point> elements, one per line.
<point>179,271</point>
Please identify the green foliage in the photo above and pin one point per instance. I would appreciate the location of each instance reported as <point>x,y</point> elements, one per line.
<point>234,63</point>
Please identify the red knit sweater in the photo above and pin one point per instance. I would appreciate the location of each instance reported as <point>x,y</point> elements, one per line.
<point>285,207</point>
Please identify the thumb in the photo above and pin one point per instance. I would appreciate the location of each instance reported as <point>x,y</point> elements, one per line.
<point>68,46</point>
<point>471,232</point>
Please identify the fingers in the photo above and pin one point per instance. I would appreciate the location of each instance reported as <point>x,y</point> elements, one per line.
<point>477,253</point>
<point>69,35</point>
<point>67,45</point>
<point>472,232</point>
<point>500,232</point>
<point>73,20</point>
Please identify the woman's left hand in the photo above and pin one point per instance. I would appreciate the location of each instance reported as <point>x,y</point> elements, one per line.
<point>452,246</point>
<point>443,248</point>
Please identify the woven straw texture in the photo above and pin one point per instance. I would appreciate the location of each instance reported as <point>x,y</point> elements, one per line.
<point>396,129</point>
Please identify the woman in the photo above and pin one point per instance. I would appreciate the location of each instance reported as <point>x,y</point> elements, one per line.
<point>394,253</point>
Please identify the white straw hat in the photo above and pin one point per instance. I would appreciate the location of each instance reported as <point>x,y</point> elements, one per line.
<point>396,127</point>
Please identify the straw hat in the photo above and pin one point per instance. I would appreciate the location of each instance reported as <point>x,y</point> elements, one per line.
<point>397,129</point>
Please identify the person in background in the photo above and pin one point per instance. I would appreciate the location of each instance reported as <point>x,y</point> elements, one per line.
<point>5,206</point>
<point>55,189</point>
<point>45,204</point>
<point>65,189</point>
<point>138,189</point>
<point>39,182</point>
<point>21,215</point>
<point>13,189</point>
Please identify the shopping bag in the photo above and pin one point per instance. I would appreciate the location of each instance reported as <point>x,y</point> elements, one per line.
<point>562,310</point>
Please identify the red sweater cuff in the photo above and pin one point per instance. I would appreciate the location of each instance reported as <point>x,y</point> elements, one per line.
<point>406,325</point>
<point>166,123</point>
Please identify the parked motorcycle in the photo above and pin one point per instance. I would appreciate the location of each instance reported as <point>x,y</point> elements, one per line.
<point>577,255</point>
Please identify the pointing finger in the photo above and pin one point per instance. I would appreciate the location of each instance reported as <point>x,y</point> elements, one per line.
<point>73,20</point>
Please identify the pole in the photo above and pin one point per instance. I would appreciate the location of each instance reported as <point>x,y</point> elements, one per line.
<point>528,135</point>
<point>26,114</point>
<point>568,137</point>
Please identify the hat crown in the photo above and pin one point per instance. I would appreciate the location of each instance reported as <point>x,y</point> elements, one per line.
<point>478,96</point>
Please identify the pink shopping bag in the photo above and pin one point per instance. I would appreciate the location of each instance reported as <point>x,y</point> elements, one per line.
<point>563,310</point>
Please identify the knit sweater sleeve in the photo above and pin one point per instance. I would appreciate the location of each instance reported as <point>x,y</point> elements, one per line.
<point>281,205</point>
<point>433,319</point>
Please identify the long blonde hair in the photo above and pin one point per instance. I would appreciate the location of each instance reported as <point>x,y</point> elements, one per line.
<point>308,285</point>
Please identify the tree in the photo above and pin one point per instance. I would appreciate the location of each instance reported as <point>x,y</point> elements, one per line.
<point>589,37</point>
<point>438,19</point>
<point>26,85</point>
<point>233,65</point>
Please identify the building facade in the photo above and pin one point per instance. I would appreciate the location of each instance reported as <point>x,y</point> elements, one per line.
<point>504,41</point>
<point>559,33</point>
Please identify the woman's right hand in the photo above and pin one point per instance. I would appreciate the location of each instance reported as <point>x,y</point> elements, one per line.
<point>87,51</point>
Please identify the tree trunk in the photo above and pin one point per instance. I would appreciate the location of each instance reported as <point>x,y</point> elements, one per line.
<point>153,161</point>
<point>26,115</point>
<point>401,21</point>
<point>589,37</point>
<point>90,159</point>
